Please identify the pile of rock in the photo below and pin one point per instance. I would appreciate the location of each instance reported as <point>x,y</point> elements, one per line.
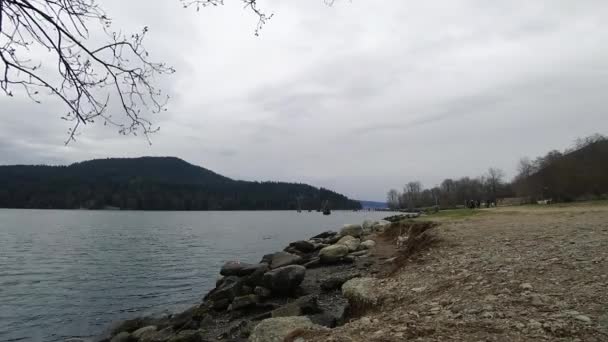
<point>269,292</point>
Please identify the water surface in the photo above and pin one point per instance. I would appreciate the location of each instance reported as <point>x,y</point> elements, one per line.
<point>67,274</point>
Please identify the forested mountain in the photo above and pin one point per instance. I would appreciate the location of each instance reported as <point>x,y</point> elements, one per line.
<point>151,183</point>
<point>581,173</point>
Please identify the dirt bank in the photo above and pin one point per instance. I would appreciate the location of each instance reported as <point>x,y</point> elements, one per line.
<point>506,274</point>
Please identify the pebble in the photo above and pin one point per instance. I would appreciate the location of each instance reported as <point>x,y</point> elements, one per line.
<point>526,286</point>
<point>583,318</point>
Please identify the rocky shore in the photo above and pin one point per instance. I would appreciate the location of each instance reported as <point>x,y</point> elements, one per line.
<point>312,284</point>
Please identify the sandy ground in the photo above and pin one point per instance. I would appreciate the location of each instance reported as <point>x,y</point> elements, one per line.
<point>506,274</point>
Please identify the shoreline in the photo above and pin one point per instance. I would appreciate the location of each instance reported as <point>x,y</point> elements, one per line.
<point>302,282</point>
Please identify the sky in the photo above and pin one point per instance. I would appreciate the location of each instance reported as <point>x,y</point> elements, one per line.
<point>358,97</point>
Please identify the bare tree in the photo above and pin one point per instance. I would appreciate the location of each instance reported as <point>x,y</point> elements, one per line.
<point>392,199</point>
<point>411,192</point>
<point>494,180</point>
<point>48,47</point>
<point>87,78</point>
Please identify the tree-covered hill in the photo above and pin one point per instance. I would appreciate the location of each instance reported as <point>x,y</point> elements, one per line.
<point>581,173</point>
<point>151,183</point>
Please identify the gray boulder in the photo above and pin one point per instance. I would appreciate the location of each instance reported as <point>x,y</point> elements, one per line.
<point>145,331</point>
<point>361,294</point>
<point>227,288</point>
<point>351,242</point>
<point>187,336</point>
<point>332,254</point>
<point>262,292</point>
<point>354,230</point>
<point>123,337</point>
<point>277,329</point>
<point>285,279</point>
<point>336,282</point>
<point>368,244</point>
<point>244,302</point>
<point>240,269</point>
<point>303,246</point>
<point>307,305</point>
<point>281,259</point>
<point>325,235</point>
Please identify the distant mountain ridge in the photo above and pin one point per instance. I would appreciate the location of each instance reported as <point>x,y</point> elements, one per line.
<point>373,205</point>
<point>151,183</point>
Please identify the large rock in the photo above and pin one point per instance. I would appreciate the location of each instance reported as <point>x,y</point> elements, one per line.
<point>368,244</point>
<point>145,331</point>
<point>158,336</point>
<point>227,288</point>
<point>303,246</point>
<point>284,280</point>
<point>187,336</point>
<point>256,278</point>
<point>307,305</point>
<point>325,235</point>
<point>277,329</point>
<point>240,269</point>
<point>281,259</point>
<point>351,242</point>
<point>123,337</point>
<point>332,254</point>
<point>335,282</point>
<point>244,302</point>
<point>361,293</point>
<point>354,230</point>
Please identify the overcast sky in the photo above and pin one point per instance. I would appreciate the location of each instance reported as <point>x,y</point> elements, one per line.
<point>359,97</point>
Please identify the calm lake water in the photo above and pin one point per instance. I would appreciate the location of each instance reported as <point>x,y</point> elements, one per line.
<point>67,274</point>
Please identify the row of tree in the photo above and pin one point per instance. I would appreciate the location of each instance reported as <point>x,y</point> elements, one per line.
<point>580,172</point>
<point>451,192</point>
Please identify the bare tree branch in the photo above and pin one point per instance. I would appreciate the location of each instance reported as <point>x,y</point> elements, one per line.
<point>85,78</point>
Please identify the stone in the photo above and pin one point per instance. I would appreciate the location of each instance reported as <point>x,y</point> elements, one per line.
<point>354,230</point>
<point>336,282</point>
<point>143,331</point>
<point>123,337</point>
<point>325,235</point>
<point>303,246</point>
<point>278,329</point>
<point>281,259</point>
<point>220,304</point>
<point>262,292</point>
<point>157,336</point>
<point>314,262</point>
<point>361,293</point>
<point>227,288</point>
<point>257,277</point>
<point>306,305</point>
<point>284,280</point>
<point>526,287</point>
<point>351,242</point>
<point>243,302</point>
<point>368,244</point>
<point>359,253</point>
<point>332,254</point>
<point>187,336</point>
<point>240,269</point>
<point>583,318</point>
<point>130,325</point>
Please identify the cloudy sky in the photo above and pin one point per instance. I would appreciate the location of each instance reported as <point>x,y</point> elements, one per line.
<point>359,97</point>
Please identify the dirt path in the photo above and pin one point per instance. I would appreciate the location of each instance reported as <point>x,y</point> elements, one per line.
<point>507,274</point>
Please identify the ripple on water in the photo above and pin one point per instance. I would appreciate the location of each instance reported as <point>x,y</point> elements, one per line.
<point>66,274</point>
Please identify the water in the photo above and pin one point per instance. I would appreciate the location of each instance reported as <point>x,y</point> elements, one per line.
<point>66,274</point>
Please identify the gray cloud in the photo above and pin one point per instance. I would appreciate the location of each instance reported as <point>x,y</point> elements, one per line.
<point>358,97</point>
